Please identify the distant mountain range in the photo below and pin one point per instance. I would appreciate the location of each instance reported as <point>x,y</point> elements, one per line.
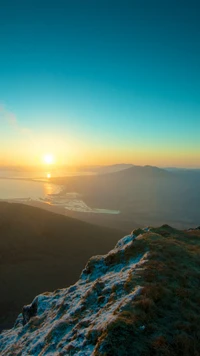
<point>143,195</point>
<point>65,168</point>
<point>40,250</point>
<point>142,298</point>
<point>99,169</point>
<point>111,168</point>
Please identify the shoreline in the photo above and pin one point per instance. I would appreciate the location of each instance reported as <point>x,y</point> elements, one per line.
<point>61,200</point>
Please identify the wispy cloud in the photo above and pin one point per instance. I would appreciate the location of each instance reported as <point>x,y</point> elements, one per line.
<point>11,119</point>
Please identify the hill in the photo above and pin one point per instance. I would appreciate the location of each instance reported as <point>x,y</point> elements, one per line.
<point>142,298</point>
<point>40,250</point>
<point>143,195</point>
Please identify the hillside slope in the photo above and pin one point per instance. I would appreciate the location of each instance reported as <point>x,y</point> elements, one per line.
<point>143,195</point>
<point>142,298</point>
<point>39,251</point>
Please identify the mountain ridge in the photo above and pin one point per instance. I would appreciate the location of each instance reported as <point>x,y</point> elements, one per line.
<point>37,247</point>
<point>136,300</point>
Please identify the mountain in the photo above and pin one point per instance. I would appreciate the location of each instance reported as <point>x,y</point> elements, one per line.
<point>142,298</point>
<point>143,195</point>
<point>40,250</point>
<point>113,168</point>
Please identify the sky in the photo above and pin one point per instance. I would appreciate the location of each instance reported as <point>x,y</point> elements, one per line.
<point>100,82</point>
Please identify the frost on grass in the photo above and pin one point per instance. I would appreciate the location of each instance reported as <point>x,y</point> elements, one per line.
<point>120,305</point>
<point>71,321</point>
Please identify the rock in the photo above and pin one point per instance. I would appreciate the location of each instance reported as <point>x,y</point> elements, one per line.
<point>19,321</point>
<point>120,305</point>
<point>29,311</point>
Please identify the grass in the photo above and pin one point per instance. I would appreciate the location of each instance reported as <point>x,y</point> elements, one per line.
<point>169,304</point>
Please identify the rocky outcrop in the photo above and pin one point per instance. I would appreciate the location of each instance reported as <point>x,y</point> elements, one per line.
<point>29,311</point>
<point>120,304</point>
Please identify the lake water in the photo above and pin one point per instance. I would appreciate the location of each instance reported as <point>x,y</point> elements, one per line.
<point>22,190</point>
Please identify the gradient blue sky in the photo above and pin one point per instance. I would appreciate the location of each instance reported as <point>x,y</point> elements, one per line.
<point>96,81</point>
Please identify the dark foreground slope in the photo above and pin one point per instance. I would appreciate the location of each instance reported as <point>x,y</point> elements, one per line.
<point>142,299</point>
<point>41,251</point>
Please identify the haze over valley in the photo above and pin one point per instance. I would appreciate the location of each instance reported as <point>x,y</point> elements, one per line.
<point>119,196</point>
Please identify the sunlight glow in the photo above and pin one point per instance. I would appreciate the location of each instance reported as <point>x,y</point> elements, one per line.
<point>48,175</point>
<point>48,159</point>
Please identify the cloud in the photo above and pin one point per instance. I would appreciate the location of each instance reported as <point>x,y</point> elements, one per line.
<point>10,118</point>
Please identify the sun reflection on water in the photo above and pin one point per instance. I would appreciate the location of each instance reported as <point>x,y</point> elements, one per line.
<point>49,189</point>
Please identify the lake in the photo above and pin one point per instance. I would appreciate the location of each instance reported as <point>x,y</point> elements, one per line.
<point>22,190</point>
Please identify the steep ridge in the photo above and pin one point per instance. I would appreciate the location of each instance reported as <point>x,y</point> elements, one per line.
<point>142,298</point>
<point>39,251</point>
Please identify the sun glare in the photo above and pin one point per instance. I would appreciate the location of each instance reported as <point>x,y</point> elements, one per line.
<point>48,175</point>
<point>48,159</point>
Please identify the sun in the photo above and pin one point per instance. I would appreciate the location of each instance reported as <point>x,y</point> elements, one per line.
<point>48,158</point>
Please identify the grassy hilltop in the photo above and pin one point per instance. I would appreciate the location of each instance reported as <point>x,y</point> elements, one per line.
<point>142,298</point>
